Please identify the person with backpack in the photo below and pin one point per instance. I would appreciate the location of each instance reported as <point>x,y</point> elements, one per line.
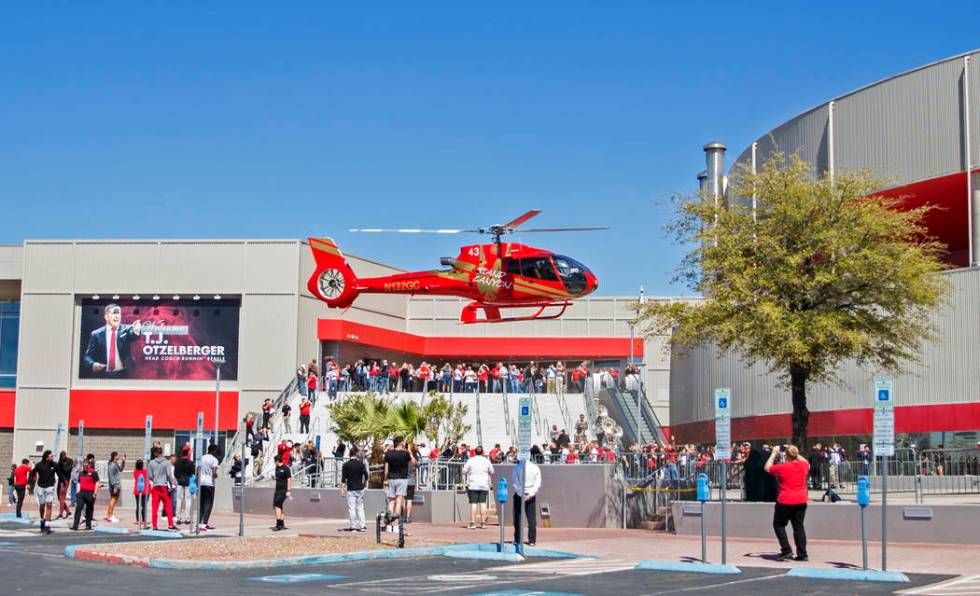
<point>141,492</point>
<point>88,482</point>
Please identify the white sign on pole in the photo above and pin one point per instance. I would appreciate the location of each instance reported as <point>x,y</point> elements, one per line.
<point>524,428</point>
<point>884,418</point>
<point>723,423</point>
<point>147,437</point>
<point>199,440</point>
<point>81,439</point>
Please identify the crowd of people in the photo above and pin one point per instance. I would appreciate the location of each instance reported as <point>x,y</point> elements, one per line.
<point>164,481</point>
<point>384,376</point>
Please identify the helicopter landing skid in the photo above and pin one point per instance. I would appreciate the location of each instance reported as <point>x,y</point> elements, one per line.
<point>492,313</point>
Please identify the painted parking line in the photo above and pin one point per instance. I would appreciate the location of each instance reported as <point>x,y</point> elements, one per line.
<point>297,578</point>
<point>569,567</point>
<point>8,543</point>
<point>960,586</point>
<point>523,592</point>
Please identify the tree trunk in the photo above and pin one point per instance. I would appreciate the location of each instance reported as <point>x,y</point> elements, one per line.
<point>801,415</point>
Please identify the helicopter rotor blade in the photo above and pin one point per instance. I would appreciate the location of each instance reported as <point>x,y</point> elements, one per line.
<point>535,230</point>
<point>522,219</point>
<point>413,230</point>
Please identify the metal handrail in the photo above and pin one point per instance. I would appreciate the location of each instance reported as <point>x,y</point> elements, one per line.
<point>479,423</point>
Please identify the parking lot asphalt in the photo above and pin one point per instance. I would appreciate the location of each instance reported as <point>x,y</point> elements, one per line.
<point>30,562</point>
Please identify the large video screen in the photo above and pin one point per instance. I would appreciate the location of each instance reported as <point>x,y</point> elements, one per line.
<point>159,339</point>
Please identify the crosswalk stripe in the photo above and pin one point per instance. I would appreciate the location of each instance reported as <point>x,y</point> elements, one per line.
<point>569,567</point>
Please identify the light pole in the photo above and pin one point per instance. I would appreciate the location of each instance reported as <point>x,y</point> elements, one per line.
<point>641,302</point>
<point>217,396</point>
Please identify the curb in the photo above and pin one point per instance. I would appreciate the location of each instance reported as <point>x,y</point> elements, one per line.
<point>688,567</point>
<point>161,534</point>
<point>13,516</point>
<point>79,552</point>
<point>111,530</point>
<point>848,574</point>
<point>483,556</point>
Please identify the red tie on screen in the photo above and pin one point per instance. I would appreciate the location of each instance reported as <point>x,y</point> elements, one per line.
<point>112,351</point>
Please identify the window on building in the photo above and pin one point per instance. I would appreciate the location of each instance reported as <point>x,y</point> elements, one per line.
<point>9,330</point>
<point>182,437</point>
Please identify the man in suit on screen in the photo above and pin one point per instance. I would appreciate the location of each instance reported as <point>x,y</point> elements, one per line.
<point>109,348</point>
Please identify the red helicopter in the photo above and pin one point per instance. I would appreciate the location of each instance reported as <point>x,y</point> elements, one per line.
<point>495,276</point>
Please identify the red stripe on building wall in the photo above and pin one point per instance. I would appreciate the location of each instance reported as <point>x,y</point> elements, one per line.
<point>908,419</point>
<point>170,409</point>
<point>478,347</point>
<point>8,404</point>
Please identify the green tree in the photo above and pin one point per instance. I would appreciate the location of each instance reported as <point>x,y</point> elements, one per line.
<point>824,271</point>
<point>444,420</point>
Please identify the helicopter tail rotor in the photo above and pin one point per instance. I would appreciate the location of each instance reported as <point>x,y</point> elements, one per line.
<point>333,281</point>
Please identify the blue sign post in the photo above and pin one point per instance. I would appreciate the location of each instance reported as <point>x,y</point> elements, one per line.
<point>723,453</point>
<point>704,494</point>
<point>502,509</point>
<point>863,498</point>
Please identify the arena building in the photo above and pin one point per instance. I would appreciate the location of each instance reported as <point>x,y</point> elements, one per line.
<point>919,130</point>
<point>241,301</point>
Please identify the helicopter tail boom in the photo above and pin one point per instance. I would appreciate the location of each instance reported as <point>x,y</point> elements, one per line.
<point>333,280</point>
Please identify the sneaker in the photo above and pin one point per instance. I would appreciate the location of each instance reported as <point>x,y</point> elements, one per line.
<point>362,529</point>
<point>801,558</point>
<point>202,528</point>
<point>483,525</point>
<point>471,526</point>
<point>73,528</point>
<point>785,556</point>
<point>209,527</point>
<point>173,528</point>
<point>107,519</point>
<point>114,519</point>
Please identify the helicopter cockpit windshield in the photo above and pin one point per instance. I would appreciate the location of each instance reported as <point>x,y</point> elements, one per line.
<point>572,274</point>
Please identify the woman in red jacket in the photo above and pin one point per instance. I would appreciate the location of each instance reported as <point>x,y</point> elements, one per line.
<point>140,493</point>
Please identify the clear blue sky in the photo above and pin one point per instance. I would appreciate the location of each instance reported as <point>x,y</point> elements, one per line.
<point>283,120</point>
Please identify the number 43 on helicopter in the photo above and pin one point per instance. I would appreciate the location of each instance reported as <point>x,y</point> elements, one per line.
<point>495,276</point>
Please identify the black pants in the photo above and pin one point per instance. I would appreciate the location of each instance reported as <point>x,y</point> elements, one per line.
<point>815,480</point>
<point>20,489</point>
<point>86,501</point>
<point>141,508</point>
<point>793,514</point>
<point>304,424</point>
<point>207,503</point>
<point>530,509</point>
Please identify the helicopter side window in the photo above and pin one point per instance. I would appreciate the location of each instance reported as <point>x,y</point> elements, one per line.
<point>539,268</point>
<point>514,266</point>
<point>572,273</point>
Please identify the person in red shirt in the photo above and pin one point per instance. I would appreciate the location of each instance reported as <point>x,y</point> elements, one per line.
<point>424,376</point>
<point>285,451</point>
<point>20,482</point>
<point>304,416</point>
<point>790,501</point>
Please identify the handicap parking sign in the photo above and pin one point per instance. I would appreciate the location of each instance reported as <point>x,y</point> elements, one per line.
<point>525,411</point>
<point>723,402</point>
<point>883,395</point>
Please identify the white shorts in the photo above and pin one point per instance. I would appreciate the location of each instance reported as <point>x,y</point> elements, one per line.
<point>44,494</point>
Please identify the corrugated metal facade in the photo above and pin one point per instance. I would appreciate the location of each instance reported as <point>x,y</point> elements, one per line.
<point>906,128</point>
<point>947,373</point>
